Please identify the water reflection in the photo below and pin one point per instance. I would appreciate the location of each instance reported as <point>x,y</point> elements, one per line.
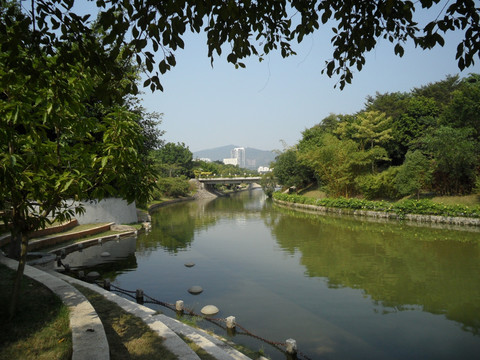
<point>340,286</point>
<point>397,265</point>
<point>121,255</point>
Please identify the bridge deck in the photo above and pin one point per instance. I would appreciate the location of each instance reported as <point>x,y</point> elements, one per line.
<point>234,180</point>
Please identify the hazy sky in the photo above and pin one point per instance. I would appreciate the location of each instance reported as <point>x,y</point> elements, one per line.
<point>276,99</point>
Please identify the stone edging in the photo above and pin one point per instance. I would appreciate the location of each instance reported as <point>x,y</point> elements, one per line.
<point>450,220</point>
<point>89,341</point>
<point>168,202</point>
<point>53,240</point>
<point>168,328</point>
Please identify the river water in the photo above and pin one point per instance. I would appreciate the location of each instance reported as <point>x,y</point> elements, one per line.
<point>342,287</point>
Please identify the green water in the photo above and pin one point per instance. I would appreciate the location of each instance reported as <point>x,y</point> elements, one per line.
<point>342,287</point>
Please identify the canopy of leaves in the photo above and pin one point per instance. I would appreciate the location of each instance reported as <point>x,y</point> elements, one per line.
<point>58,141</point>
<point>152,31</point>
<point>440,119</point>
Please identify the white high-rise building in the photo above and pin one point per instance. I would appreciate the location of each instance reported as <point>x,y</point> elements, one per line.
<point>239,154</point>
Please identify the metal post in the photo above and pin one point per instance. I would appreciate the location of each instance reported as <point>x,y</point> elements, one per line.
<point>106,284</point>
<point>139,296</point>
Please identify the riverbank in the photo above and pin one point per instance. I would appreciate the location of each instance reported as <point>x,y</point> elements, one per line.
<point>420,211</point>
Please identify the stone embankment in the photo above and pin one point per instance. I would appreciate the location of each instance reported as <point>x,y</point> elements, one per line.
<point>435,219</point>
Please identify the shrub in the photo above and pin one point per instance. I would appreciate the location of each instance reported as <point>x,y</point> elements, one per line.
<point>419,207</point>
<point>171,187</point>
<point>381,185</point>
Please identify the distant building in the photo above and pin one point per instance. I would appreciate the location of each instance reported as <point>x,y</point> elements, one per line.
<point>251,163</point>
<point>263,169</point>
<point>239,154</point>
<point>230,161</point>
<point>204,159</point>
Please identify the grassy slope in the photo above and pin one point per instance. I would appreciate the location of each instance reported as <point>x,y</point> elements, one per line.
<point>40,329</point>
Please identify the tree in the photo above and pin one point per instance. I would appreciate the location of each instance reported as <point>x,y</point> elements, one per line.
<point>52,149</point>
<point>414,175</point>
<point>174,159</point>
<point>133,29</point>
<point>268,183</point>
<point>455,159</point>
<point>464,107</point>
<point>337,163</point>
<point>372,128</point>
<point>289,171</point>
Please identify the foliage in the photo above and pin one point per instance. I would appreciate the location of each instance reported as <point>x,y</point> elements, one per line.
<point>455,155</point>
<point>268,183</point>
<point>173,159</point>
<point>139,30</point>
<point>337,163</point>
<point>289,171</point>
<point>464,106</point>
<point>58,141</point>
<point>419,207</point>
<point>414,175</point>
<point>379,186</point>
<point>205,169</point>
<point>171,187</point>
<point>345,152</point>
<point>372,128</point>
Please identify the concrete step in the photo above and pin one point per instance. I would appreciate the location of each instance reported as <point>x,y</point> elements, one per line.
<point>50,240</point>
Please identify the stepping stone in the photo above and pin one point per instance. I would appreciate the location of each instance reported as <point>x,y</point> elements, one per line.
<point>195,290</point>
<point>209,310</point>
<point>189,264</point>
<point>93,275</point>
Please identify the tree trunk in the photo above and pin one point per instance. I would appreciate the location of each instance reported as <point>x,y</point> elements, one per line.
<point>18,279</point>
<point>14,248</point>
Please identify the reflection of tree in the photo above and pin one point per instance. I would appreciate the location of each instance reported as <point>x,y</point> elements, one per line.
<point>173,227</point>
<point>110,270</point>
<point>397,265</point>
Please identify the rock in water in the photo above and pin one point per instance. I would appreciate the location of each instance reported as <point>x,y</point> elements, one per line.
<point>189,264</point>
<point>93,275</point>
<point>195,290</point>
<point>209,310</point>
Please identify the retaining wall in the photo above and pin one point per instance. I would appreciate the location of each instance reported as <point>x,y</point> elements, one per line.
<point>108,210</point>
<point>451,220</point>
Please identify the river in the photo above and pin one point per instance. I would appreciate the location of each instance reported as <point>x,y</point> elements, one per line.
<point>342,287</point>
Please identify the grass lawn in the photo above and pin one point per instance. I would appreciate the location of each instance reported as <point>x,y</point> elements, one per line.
<point>40,330</point>
<point>128,336</point>
<point>469,200</point>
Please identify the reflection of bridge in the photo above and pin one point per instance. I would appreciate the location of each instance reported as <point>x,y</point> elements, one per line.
<point>233,180</point>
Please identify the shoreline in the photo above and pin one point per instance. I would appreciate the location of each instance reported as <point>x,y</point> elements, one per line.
<point>423,219</point>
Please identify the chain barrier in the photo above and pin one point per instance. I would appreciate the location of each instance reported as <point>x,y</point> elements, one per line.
<point>216,321</point>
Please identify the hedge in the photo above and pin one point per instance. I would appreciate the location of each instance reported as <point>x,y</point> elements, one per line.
<point>403,207</point>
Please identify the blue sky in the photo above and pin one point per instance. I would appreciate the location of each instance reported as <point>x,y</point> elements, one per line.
<point>277,99</point>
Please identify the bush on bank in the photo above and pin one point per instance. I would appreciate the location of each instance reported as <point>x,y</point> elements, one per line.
<point>403,207</point>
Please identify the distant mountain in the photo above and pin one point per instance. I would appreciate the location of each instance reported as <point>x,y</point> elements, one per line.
<point>253,157</point>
